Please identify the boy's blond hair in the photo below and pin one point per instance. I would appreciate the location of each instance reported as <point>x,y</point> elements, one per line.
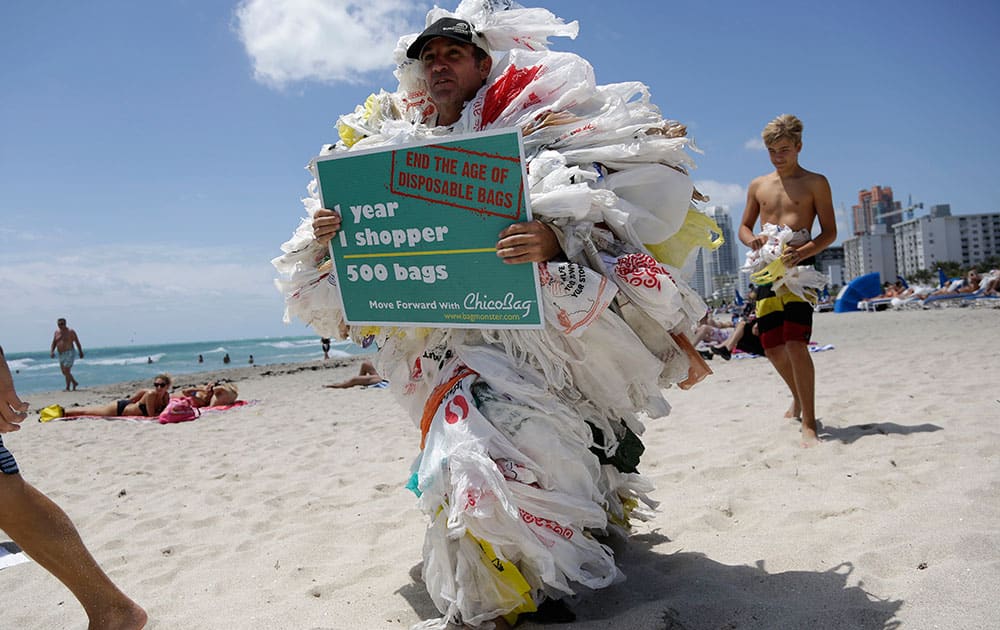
<point>784,126</point>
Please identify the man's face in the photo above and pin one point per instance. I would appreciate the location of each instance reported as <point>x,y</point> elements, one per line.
<point>61,323</point>
<point>452,73</point>
<point>784,153</point>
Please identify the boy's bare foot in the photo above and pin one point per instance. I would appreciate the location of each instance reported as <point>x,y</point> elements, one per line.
<point>810,437</point>
<point>794,411</point>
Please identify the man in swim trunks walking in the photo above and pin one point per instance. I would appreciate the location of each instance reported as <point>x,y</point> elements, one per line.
<point>63,341</point>
<point>794,197</point>
<point>44,531</point>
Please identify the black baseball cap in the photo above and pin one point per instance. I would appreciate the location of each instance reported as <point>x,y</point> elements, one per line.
<point>452,28</point>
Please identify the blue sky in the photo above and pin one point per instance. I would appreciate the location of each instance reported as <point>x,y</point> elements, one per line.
<point>152,153</point>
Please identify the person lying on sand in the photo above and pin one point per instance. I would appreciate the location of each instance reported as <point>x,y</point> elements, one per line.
<point>212,394</point>
<point>145,402</point>
<point>367,375</point>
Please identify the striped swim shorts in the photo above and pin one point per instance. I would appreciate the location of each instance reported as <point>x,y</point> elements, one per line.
<point>7,464</point>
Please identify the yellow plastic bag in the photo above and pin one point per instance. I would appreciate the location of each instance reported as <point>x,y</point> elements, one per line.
<point>507,573</point>
<point>773,272</point>
<point>698,230</point>
<point>52,412</point>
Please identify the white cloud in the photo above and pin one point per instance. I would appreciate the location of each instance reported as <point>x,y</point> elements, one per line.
<point>9,235</point>
<point>733,196</point>
<point>323,40</point>
<point>755,144</point>
<point>175,294</point>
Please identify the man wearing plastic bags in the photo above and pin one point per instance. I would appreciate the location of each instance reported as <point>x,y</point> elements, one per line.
<point>530,438</point>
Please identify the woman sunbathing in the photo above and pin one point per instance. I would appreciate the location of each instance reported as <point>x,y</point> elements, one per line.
<point>212,394</point>
<point>145,402</point>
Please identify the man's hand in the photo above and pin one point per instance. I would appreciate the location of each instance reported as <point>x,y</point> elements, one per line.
<point>758,241</point>
<point>13,410</point>
<point>791,256</point>
<point>527,242</point>
<point>325,225</point>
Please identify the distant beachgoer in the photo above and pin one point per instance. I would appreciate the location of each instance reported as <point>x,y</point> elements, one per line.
<point>969,285</point>
<point>212,394</point>
<point>251,360</point>
<point>226,359</point>
<point>63,341</point>
<point>991,282</point>
<point>201,359</point>
<point>795,198</point>
<point>45,532</point>
<point>325,342</point>
<point>711,331</point>
<point>145,402</point>
<point>149,359</point>
<point>367,375</point>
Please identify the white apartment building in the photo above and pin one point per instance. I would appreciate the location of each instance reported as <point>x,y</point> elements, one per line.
<point>869,253</point>
<point>924,242</point>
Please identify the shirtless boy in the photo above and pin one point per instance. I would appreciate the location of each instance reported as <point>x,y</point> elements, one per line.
<point>63,341</point>
<point>794,197</point>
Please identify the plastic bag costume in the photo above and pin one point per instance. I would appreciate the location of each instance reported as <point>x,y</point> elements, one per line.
<point>530,438</point>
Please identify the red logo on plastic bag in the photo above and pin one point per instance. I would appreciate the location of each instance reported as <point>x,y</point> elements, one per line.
<point>641,270</point>
<point>459,404</point>
<point>505,89</point>
<point>564,531</point>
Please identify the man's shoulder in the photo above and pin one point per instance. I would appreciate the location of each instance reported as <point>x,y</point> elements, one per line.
<point>761,180</point>
<point>813,177</point>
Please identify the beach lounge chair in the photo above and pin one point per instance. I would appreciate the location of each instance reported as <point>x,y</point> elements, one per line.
<point>880,304</point>
<point>958,298</point>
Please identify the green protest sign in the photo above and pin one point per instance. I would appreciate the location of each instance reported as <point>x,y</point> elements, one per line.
<point>420,222</point>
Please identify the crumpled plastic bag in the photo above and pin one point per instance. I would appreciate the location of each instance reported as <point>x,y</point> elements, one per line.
<point>768,268</point>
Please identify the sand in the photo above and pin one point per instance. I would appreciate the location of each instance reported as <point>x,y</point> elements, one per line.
<point>291,513</point>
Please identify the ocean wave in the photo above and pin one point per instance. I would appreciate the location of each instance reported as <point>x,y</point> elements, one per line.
<point>281,345</point>
<point>30,365</point>
<point>123,360</point>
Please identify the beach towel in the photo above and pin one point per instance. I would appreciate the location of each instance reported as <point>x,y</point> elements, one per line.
<point>203,410</point>
<point>11,554</point>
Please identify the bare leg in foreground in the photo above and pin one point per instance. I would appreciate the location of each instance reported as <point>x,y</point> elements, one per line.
<point>43,530</point>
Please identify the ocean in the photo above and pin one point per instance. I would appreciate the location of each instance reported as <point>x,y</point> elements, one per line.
<point>36,372</point>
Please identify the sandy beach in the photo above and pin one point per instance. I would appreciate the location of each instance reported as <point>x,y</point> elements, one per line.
<point>291,513</point>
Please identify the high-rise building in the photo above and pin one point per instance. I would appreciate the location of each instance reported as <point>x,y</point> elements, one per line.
<point>831,262</point>
<point>875,207</point>
<point>867,253</point>
<point>723,264</point>
<point>725,260</point>
<point>701,280</point>
<point>967,239</point>
<point>941,210</point>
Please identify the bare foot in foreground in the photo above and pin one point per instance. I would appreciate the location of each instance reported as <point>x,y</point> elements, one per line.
<point>133,617</point>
